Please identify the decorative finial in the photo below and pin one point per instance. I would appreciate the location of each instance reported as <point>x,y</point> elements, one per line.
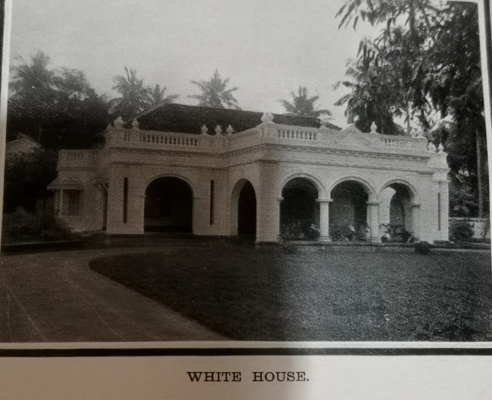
<point>374,128</point>
<point>118,123</point>
<point>230,130</point>
<point>218,130</point>
<point>440,148</point>
<point>267,117</point>
<point>204,130</point>
<point>135,124</point>
<point>431,148</point>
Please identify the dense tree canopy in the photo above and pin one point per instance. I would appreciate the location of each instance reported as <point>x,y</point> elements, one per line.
<point>215,93</point>
<point>302,104</point>
<point>424,66</point>
<point>56,107</point>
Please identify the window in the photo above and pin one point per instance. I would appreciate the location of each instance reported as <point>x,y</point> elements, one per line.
<point>71,203</point>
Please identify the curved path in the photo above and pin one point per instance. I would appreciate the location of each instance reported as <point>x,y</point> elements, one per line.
<point>55,297</point>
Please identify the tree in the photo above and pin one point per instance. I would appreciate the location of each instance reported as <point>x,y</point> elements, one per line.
<point>214,93</point>
<point>435,72</point>
<point>27,177</point>
<point>136,98</point>
<point>371,98</point>
<point>303,105</point>
<point>157,96</point>
<point>56,107</point>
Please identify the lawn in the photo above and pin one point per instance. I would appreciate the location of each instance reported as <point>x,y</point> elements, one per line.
<point>278,294</point>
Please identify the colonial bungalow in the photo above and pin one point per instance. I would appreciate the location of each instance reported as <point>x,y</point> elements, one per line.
<point>222,172</point>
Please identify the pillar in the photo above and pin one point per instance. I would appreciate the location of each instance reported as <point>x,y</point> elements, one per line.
<point>373,213</point>
<point>415,228</point>
<point>324,219</point>
<point>444,210</point>
<point>267,204</point>
<point>60,203</point>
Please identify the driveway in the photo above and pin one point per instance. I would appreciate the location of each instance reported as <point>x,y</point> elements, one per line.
<point>55,297</point>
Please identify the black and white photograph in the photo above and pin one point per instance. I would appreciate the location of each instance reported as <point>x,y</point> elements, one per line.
<point>245,199</point>
<point>246,171</point>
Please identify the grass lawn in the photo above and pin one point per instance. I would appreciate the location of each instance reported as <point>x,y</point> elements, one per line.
<point>274,294</point>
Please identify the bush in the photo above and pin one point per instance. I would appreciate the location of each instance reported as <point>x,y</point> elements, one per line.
<point>22,225</point>
<point>460,230</point>
<point>395,233</point>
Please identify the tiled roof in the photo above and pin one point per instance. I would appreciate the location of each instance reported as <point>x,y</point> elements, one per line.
<point>189,119</point>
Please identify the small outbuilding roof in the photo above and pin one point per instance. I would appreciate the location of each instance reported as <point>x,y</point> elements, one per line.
<point>189,119</point>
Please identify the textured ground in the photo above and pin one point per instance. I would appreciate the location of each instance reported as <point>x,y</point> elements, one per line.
<point>283,295</point>
<point>55,297</point>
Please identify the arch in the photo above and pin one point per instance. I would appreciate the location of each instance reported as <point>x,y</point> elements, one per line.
<point>243,208</point>
<point>371,192</point>
<point>170,175</point>
<point>349,216</point>
<point>413,190</point>
<point>397,214</point>
<point>299,209</point>
<point>317,182</point>
<point>168,205</point>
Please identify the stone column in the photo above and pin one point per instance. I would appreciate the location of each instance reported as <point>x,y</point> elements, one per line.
<point>60,203</point>
<point>415,228</point>
<point>444,208</point>
<point>279,236</point>
<point>268,206</point>
<point>324,219</point>
<point>373,213</point>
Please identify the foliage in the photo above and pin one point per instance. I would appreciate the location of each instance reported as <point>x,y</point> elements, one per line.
<point>303,105</point>
<point>56,107</point>
<point>427,61</point>
<point>27,177</point>
<point>21,225</point>
<point>395,233</point>
<point>460,230</point>
<point>214,93</point>
<point>296,230</point>
<point>348,232</point>
<point>135,96</point>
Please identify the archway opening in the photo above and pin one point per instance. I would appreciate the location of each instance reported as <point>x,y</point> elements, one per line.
<point>396,214</point>
<point>299,210</point>
<point>246,211</point>
<point>168,206</point>
<point>348,212</point>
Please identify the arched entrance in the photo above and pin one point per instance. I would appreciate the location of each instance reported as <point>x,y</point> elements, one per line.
<point>397,218</point>
<point>299,210</point>
<point>348,212</point>
<point>246,210</point>
<point>168,206</point>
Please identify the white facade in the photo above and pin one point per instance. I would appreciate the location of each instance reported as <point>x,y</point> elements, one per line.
<point>107,188</point>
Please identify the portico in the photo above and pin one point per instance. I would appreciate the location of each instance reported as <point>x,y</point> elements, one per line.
<point>183,168</point>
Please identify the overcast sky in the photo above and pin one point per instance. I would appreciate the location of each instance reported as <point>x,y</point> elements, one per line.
<point>266,47</point>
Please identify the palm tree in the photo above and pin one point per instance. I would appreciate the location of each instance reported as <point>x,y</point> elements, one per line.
<point>372,98</point>
<point>134,96</point>
<point>302,104</point>
<point>215,94</point>
<point>157,96</point>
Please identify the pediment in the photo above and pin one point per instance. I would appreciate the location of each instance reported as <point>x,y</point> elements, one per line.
<point>351,136</point>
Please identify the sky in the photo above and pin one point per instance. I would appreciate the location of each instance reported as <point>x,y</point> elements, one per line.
<point>267,48</point>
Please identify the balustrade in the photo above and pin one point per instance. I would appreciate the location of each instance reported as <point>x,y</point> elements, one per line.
<point>300,134</point>
<point>169,140</point>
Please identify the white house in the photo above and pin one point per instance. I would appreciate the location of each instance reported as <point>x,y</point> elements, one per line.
<point>228,172</point>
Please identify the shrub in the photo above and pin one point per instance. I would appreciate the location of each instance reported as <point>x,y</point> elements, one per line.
<point>22,225</point>
<point>460,230</point>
